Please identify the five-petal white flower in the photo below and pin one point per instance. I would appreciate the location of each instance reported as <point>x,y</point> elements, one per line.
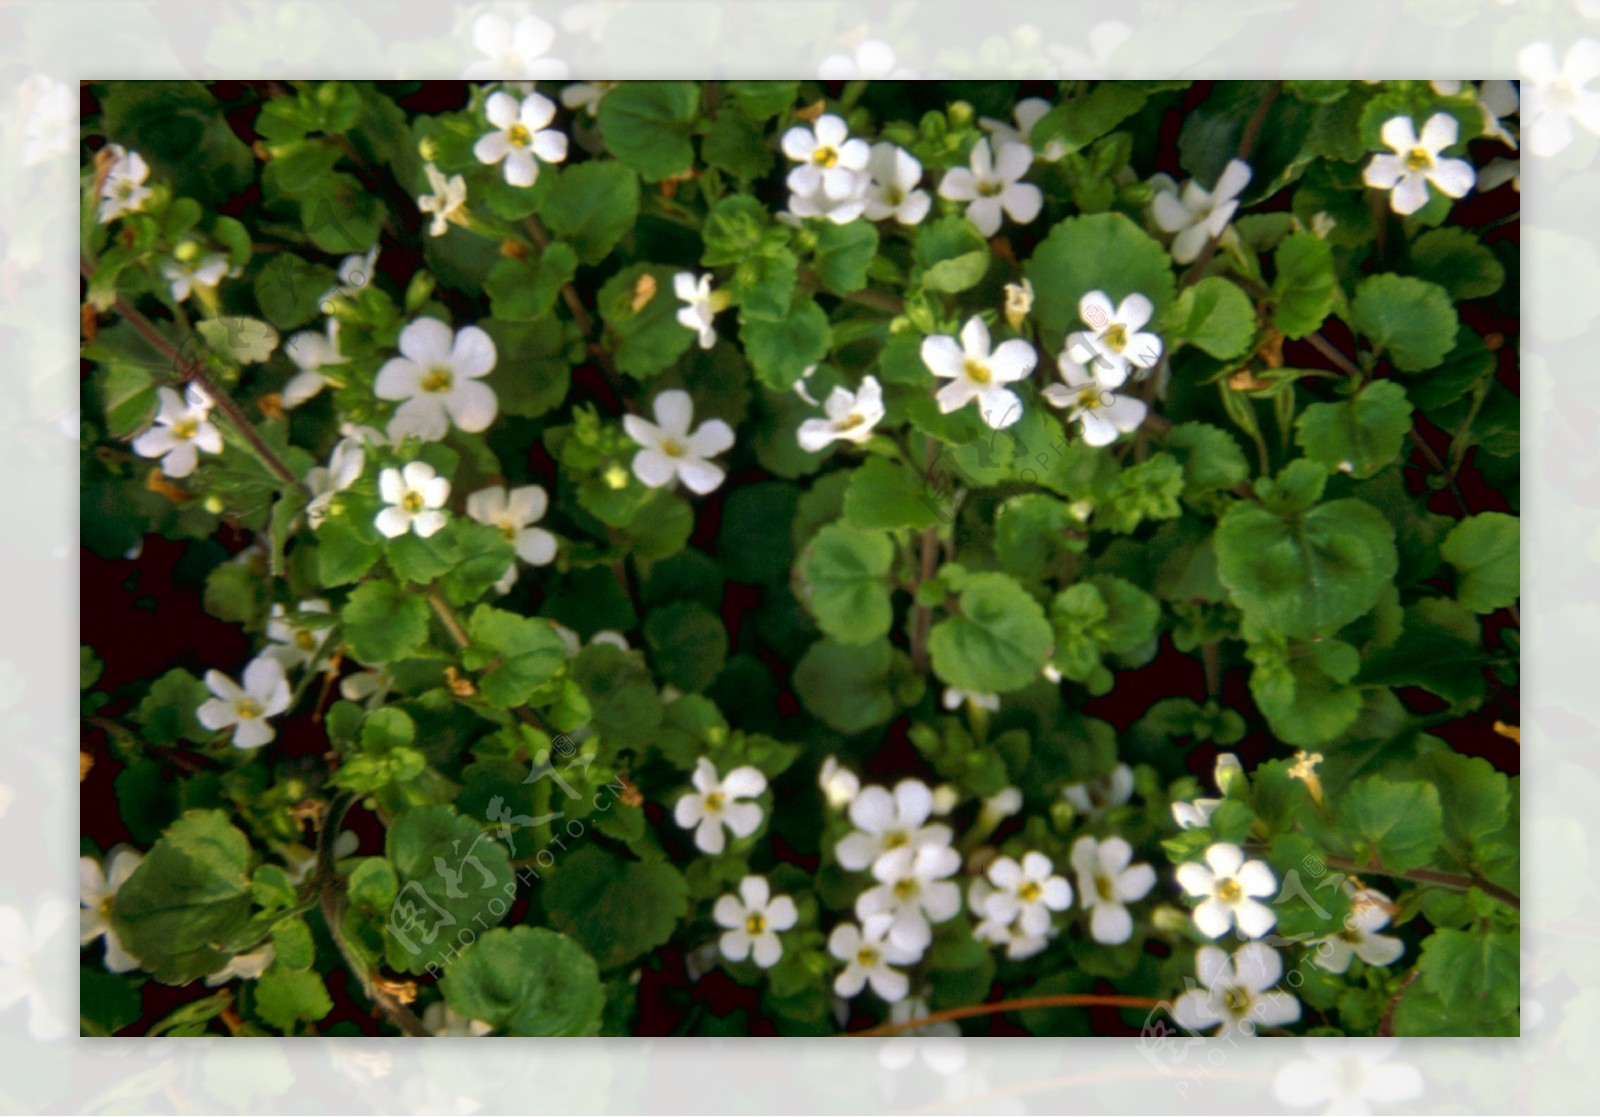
<point>1097,796</point>
<point>447,203</point>
<point>123,189</point>
<point>311,352</point>
<point>718,803</point>
<point>870,956</point>
<point>1196,214</point>
<point>1369,911</point>
<point>1107,883</point>
<point>1554,94</point>
<point>753,919</point>
<point>1342,1077</point>
<point>913,891</point>
<point>831,179</point>
<point>993,185</point>
<point>701,305</point>
<point>344,468</point>
<point>1415,163</point>
<point>184,277</point>
<point>1229,885</point>
<point>851,417</point>
<point>515,513</point>
<point>886,821</point>
<point>513,51</point>
<point>894,174</point>
<point>1236,994</point>
<point>413,496</point>
<point>522,138</point>
<point>181,430</point>
<point>297,645</point>
<point>1026,892</point>
<point>977,374</point>
<point>438,376</point>
<point>246,708</point>
<point>1115,342</point>
<point>97,890</point>
<point>1104,414</point>
<point>668,451</point>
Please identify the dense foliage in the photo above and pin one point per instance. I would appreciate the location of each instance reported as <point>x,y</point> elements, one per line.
<point>697,535</point>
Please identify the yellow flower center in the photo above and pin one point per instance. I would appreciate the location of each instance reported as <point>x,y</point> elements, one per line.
<point>1103,889</point>
<point>186,428</point>
<point>247,709</point>
<point>714,802</point>
<point>519,135</point>
<point>825,156</point>
<point>1029,892</point>
<point>412,502</point>
<point>894,839</point>
<point>893,196</point>
<point>867,957</point>
<point>509,530</point>
<point>1418,159</point>
<point>991,187</point>
<point>1089,399</point>
<point>671,448</point>
<point>905,889</point>
<point>305,641</point>
<point>755,923</point>
<point>1351,935</point>
<point>1235,1001</point>
<point>438,380</point>
<point>1229,890</point>
<point>849,422</point>
<point>976,371</point>
<point>1116,336</point>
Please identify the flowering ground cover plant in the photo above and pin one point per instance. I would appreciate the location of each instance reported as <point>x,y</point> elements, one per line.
<point>794,557</point>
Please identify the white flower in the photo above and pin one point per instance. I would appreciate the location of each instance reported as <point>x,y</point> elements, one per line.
<point>1234,994</point>
<point>97,890</point>
<point>1498,173</point>
<point>441,1020</point>
<point>1114,342</point>
<point>123,190</point>
<point>873,59</point>
<point>181,430</point>
<point>701,305</point>
<point>937,1044</point>
<point>1498,98</point>
<point>830,180</point>
<point>894,174</point>
<point>1555,94</point>
<point>945,798</point>
<point>572,643</point>
<point>515,513</point>
<point>954,698</point>
<point>1026,893</point>
<point>869,955</point>
<point>1000,806</point>
<point>753,919</point>
<point>22,949</point>
<point>447,203</point>
<point>243,967</point>
<point>1107,882</point>
<point>668,451</point>
<point>344,468</point>
<point>885,822</point>
<point>1104,414</point>
<point>992,185</point>
<point>1028,112</point>
<point>976,374</point>
<point>851,417</point>
<point>414,496</point>
<point>265,694</point>
<point>998,931</point>
<point>1416,162</point>
<point>839,784</point>
<point>311,352</point>
<point>437,375</point>
<point>51,127</point>
<point>370,686</point>
<point>1101,793</point>
<point>1196,214</point>
<point>1347,1078</point>
<point>1195,815</point>
<point>1104,39</point>
<point>1229,886</point>
<point>913,892</point>
<point>184,276</point>
<point>586,96</point>
<point>717,803</point>
<point>1019,301</point>
<point>513,51</point>
<point>1369,911</point>
<point>298,645</point>
<point>522,138</point>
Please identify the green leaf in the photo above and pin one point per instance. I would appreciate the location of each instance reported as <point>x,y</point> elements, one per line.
<point>647,125</point>
<point>1394,824</point>
<point>737,146</point>
<point>1474,973</point>
<point>849,687</point>
<point>518,655</point>
<point>753,546</point>
<point>383,622</point>
<point>1360,435</point>
<point>843,253</point>
<point>1077,123</point>
<point>1486,551</point>
<point>191,890</point>
<point>522,290</point>
<point>286,996</point>
<point>1147,491</point>
<point>345,552</point>
<point>616,910</point>
<point>626,708</point>
<point>1457,261</point>
<point>1433,652</point>
<point>1216,316</point>
<point>733,230</point>
<point>1310,574</point>
<point>845,583</point>
<point>1210,456</point>
<point>763,285</point>
<point>592,206</point>
<point>167,712</point>
<point>950,255</point>
<point>531,374</point>
<point>452,876</point>
<point>238,340</point>
<point>687,643</point>
<point>1098,252</point>
<point>1033,533</point>
<point>640,312</point>
<point>1305,287</point>
<point>1412,321</point>
<point>109,1002</point>
<point>289,289</point>
<point>1301,690</point>
<point>180,130</point>
<point>526,981</point>
<point>886,495</point>
<point>998,640</point>
<point>780,350</point>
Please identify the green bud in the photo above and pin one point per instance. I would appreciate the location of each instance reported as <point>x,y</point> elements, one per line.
<point>961,114</point>
<point>187,251</point>
<point>418,290</point>
<point>428,148</point>
<point>213,504</point>
<point>1170,920</point>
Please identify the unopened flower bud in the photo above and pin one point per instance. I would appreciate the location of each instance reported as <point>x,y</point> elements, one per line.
<point>945,798</point>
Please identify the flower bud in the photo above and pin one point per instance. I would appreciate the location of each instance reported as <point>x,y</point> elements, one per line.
<point>213,504</point>
<point>428,148</point>
<point>960,114</point>
<point>945,798</point>
<point>1229,773</point>
<point>187,252</point>
<point>1169,919</point>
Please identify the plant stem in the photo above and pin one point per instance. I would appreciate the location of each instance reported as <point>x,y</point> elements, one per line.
<point>1429,876</point>
<point>192,371</point>
<point>448,618</point>
<point>1329,350</point>
<point>922,615</point>
<point>1020,1004</point>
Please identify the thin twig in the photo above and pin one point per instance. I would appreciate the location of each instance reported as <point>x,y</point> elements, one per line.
<point>1429,876</point>
<point>1329,350</point>
<point>1020,1004</point>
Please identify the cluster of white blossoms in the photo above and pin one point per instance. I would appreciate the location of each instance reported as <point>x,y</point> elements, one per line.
<point>182,429</point>
<point>122,190</point>
<point>1017,900</point>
